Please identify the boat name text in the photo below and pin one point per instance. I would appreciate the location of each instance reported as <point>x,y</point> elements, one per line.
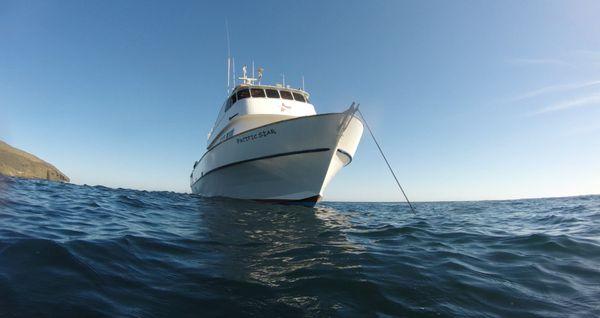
<point>260,134</point>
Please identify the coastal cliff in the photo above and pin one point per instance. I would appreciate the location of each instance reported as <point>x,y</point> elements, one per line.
<point>18,163</point>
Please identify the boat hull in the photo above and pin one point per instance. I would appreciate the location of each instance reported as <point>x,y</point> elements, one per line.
<point>289,161</point>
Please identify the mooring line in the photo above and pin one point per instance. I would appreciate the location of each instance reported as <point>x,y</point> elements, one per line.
<point>386,161</point>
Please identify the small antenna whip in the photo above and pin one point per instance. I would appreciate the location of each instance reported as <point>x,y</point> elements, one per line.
<point>386,161</point>
<point>303,83</point>
<point>228,55</point>
<point>228,73</point>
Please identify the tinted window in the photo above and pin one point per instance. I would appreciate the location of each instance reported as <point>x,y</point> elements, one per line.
<point>257,92</point>
<point>230,102</point>
<point>243,94</point>
<point>286,95</point>
<point>299,97</point>
<point>272,93</point>
<point>233,99</point>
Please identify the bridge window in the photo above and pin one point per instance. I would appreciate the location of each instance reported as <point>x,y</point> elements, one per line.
<point>244,93</point>
<point>286,95</point>
<point>299,97</point>
<point>230,101</point>
<point>257,92</point>
<point>272,93</point>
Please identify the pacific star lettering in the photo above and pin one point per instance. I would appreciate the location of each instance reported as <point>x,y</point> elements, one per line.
<point>260,134</point>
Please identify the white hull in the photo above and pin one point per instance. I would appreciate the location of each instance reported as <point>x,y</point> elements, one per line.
<point>290,160</point>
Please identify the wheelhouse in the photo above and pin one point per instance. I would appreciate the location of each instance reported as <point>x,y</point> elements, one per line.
<point>257,105</point>
<point>266,92</point>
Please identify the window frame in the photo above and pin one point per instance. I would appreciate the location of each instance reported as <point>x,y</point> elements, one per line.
<point>230,101</point>
<point>258,89</point>
<point>243,90</point>
<point>288,92</point>
<point>272,90</point>
<point>228,105</point>
<point>301,95</point>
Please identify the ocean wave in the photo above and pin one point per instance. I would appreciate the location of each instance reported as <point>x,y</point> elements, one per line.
<point>93,251</point>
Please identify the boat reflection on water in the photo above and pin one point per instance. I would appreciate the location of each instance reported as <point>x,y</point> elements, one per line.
<point>291,251</point>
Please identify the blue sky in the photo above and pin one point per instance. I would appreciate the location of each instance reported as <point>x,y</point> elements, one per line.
<point>470,100</point>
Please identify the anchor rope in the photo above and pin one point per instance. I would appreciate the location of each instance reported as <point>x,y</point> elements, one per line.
<point>386,161</point>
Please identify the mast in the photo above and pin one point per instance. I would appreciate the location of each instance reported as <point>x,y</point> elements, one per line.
<point>228,56</point>
<point>245,79</point>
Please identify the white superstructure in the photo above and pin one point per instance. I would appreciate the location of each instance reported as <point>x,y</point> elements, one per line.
<point>268,143</point>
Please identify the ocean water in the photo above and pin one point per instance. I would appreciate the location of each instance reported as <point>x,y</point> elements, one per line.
<point>79,251</point>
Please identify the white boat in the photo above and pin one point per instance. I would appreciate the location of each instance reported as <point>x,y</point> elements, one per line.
<point>269,144</point>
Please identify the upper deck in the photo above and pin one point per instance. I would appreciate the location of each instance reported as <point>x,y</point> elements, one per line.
<point>250,106</point>
<point>266,91</point>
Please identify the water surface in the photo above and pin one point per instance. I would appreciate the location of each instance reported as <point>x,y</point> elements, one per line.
<point>75,251</point>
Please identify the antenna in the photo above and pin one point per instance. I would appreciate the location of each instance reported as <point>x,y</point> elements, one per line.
<point>245,79</point>
<point>228,72</point>
<point>228,55</point>
<point>303,83</point>
<point>283,77</point>
<point>260,74</point>
<point>233,63</point>
<point>253,68</point>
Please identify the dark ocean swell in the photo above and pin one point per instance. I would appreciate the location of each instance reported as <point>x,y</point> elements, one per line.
<point>79,251</point>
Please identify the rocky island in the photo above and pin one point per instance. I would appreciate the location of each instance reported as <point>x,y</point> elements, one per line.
<point>18,163</point>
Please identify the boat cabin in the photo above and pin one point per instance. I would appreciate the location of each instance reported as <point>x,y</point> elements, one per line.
<point>250,106</point>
